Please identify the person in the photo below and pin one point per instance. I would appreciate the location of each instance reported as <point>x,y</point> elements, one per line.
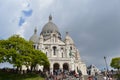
<point>95,78</point>
<point>109,77</point>
<point>47,75</point>
<point>90,78</point>
<point>104,78</point>
<point>79,72</point>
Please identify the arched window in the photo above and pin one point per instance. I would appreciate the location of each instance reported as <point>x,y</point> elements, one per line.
<point>34,46</point>
<point>37,47</point>
<point>46,47</point>
<point>71,48</point>
<point>54,50</point>
<point>62,55</point>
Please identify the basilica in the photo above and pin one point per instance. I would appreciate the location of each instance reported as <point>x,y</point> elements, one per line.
<point>62,53</point>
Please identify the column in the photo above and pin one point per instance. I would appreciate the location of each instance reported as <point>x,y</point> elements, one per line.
<point>61,66</point>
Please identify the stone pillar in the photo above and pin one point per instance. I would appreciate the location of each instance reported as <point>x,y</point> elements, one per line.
<point>51,68</point>
<point>51,52</point>
<point>61,66</point>
<point>57,52</point>
<point>72,65</point>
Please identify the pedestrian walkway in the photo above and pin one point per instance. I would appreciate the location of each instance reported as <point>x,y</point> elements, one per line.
<point>71,78</point>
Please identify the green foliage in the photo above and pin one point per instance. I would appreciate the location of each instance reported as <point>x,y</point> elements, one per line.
<point>3,51</point>
<point>115,63</point>
<point>13,76</point>
<point>38,57</point>
<point>17,51</point>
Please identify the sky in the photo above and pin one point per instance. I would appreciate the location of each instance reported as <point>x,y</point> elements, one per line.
<point>94,25</point>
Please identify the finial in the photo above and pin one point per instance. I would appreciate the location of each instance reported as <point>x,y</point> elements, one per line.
<point>50,18</point>
<point>35,30</point>
<point>66,33</point>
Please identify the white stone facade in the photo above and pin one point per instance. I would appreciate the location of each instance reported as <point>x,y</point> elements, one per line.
<point>93,70</point>
<point>62,54</point>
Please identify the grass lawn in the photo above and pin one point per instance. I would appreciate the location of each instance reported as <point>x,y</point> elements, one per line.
<point>13,76</point>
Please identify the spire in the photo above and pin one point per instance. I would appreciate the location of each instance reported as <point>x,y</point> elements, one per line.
<point>35,30</point>
<point>66,33</point>
<point>50,17</point>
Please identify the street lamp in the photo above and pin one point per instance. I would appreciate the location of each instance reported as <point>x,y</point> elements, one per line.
<point>106,64</point>
<point>118,65</point>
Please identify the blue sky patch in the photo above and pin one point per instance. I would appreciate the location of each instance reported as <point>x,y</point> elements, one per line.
<point>27,13</point>
<point>0,38</point>
<point>21,21</point>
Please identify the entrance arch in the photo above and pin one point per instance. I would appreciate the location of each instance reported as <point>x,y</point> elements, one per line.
<point>56,66</point>
<point>65,67</point>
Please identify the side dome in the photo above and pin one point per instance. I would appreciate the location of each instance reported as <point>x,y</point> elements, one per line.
<point>68,39</point>
<point>50,28</point>
<point>34,38</point>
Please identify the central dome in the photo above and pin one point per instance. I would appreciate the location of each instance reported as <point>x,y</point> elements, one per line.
<point>50,28</point>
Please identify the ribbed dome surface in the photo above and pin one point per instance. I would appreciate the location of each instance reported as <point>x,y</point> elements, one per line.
<point>50,27</point>
<point>69,39</point>
<point>34,38</point>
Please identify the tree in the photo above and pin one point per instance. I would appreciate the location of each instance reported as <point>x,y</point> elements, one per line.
<point>38,57</point>
<point>115,63</point>
<point>17,48</point>
<point>3,51</point>
<point>17,51</point>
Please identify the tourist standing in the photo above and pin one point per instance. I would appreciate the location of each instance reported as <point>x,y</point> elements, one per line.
<point>104,78</point>
<point>90,78</point>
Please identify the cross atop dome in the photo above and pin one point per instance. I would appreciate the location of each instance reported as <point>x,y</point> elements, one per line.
<point>50,17</point>
<point>35,30</point>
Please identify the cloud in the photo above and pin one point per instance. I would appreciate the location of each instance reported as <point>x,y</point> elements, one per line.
<point>93,25</point>
<point>21,21</point>
<point>21,30</point>
<point>27,13</point>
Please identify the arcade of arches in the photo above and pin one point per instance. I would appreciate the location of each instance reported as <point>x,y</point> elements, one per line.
<point>65,66</point>
<point>61,52</point>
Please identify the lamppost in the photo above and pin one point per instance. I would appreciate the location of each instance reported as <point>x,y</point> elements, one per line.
<point>119,66</point>
<point>106,64</point>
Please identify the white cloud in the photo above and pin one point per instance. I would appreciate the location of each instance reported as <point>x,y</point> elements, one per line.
<point>10,13</point>
<point>95,23</point>
<point>22,29</point>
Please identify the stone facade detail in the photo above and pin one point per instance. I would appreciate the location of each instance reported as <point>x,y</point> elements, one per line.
<point>62,54</point>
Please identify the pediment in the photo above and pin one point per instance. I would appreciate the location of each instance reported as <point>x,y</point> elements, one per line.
<point>49,41</point>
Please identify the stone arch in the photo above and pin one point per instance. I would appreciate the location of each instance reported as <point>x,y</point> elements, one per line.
<point>66,66</point>
<point>56,66</point>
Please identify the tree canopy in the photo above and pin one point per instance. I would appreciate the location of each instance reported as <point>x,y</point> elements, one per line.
<point>17,51</point>
<point>115,63</point>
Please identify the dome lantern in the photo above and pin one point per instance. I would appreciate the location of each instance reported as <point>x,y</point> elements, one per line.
<point>50,17</point>
<point>35,30</point>
<point>50,28</point>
